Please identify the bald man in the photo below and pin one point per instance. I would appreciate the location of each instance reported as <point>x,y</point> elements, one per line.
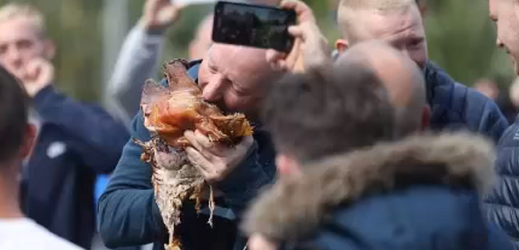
<point>233,78</point>
<point>400,24</point>
<point>401,77</point>
<point>356,183</point>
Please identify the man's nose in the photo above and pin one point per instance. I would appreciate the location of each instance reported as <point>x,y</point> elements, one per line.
<point>405,52</point>
<point>213,90</point>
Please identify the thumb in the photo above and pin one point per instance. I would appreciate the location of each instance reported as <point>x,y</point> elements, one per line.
<point>173,12</point>
<point>297,32</point>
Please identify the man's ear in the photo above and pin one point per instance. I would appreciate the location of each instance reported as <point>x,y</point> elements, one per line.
<point>49,49</point>
<point>28,141</point>
<point>342,45</point>
<point>426,117</point>
<point>286,165</point>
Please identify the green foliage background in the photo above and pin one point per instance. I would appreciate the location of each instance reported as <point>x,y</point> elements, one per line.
<point>460,36</point>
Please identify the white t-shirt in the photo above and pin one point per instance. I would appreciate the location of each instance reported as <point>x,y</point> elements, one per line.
<point>25,234</point>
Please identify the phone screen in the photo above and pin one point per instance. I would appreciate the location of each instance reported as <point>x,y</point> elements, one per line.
<point>253,25</point>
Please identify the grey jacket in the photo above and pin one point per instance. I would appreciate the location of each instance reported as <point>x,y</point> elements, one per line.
<point>137,62</point>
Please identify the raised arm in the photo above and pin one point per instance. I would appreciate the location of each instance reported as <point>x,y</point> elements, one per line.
<point>138,58</point>
<point>93,135</point>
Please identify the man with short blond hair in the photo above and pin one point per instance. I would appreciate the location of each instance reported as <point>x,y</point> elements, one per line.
<point>399,23</point>
<point>74,142</point>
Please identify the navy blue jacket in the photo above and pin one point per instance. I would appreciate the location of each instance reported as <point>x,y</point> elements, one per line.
<point>455,106</point>
<point>75,143</point>
<point>420,193</point>
<point>128,214</point>
<point>503,201</point>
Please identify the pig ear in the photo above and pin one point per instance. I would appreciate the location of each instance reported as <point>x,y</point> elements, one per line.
<point>151,93</point>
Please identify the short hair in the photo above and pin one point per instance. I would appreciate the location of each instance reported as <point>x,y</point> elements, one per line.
<point>349,7</point>
<point>317,114</point>
<point>13,10</point>
<point>14,106</point>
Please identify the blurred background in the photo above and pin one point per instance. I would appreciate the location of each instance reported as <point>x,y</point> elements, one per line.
<point>89,34</point>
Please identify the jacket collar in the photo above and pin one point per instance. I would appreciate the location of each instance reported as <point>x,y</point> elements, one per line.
<point>295,205</point>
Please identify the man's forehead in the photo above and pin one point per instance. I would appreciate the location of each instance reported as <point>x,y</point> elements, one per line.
<point>18,27</point>
<point>236,55</point>
<point>222,52</point>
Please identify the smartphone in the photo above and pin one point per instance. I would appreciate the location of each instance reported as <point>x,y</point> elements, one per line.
<point>250,25</point>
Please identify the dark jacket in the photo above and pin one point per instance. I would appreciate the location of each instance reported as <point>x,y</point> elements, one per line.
<point>128,214</point>
<point>503,200</point>
<point>75,142</point>
<point>419,193</point>
<point>455,106</point>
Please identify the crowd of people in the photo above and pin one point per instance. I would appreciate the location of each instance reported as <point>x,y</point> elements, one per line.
<point>367,146</point>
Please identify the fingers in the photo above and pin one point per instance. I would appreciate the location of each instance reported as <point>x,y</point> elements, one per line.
<point>198,143</point>
<point>203,140</point>
<point>294,54</point>
<point>198,161</point>
<point>202,143</point>
<point>297,31</point>
<point>304,12</point>
<point>276,59</point>
<point>274,55</point>
<point>39,71</point>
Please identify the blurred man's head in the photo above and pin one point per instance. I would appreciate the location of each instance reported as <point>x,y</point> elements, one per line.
<point>16,134</point>
<point>487,87</point>
<point>506,15</point>
<point>402,78</point>
<point>315,115</point>
<point>236,78</point>
<point>23,37</point>
<point>202,41</point>
<point>397,22</point>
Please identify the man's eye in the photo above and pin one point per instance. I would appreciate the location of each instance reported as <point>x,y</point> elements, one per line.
<point>416,43</point>
<point>24,44</point>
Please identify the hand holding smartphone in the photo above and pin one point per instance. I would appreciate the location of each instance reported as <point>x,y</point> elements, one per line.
<point>253,25</point>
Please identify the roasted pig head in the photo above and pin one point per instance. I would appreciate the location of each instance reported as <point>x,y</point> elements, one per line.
<point>170,111</point>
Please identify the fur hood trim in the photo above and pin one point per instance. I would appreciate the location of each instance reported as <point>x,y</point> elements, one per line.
<point>295,205</point>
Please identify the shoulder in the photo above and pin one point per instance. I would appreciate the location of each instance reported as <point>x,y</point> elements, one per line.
<point>376,219</point>
<point>510,138</point>
<point>40,238</point>
<point>441,85</point>
<point>469,105</point>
